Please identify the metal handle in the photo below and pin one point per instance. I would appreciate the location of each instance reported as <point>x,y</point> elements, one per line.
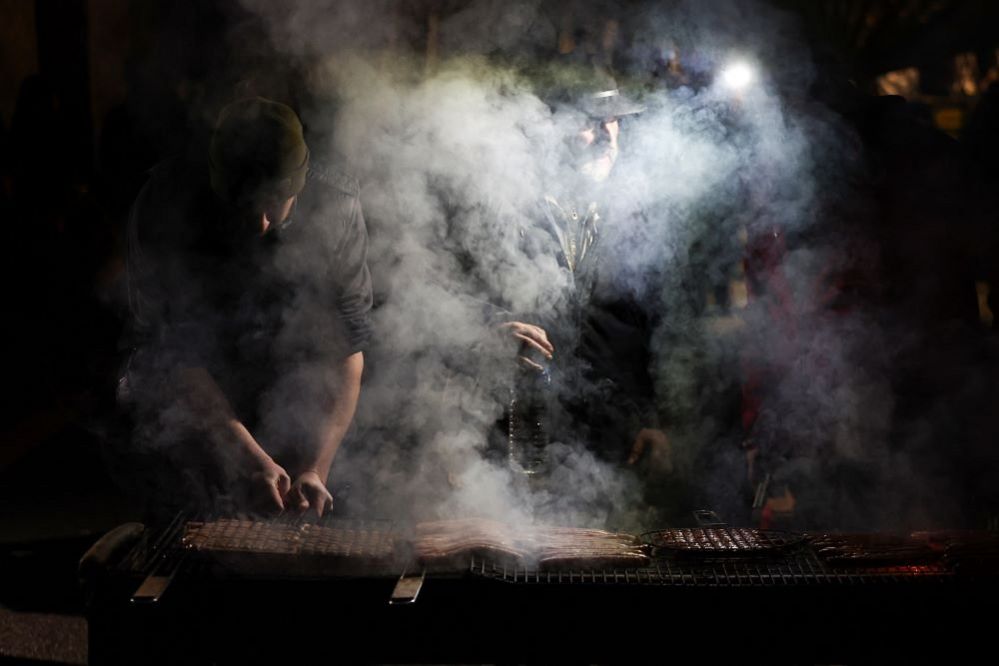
<point>407,588</point>
<point>152,589</point>
<point>156,583</point>
<point>708,518</point>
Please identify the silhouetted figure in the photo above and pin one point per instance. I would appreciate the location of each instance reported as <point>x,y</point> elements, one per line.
<point>928,241</point>
<point>980,140</point>
<point>249,296</point>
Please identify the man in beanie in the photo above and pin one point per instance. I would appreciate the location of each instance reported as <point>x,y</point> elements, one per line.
<point>250,299</point>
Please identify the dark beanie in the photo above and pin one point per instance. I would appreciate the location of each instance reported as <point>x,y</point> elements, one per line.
<point>258,152</point>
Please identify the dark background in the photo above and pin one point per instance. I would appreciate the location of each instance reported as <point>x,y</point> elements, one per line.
<point>95,92</point>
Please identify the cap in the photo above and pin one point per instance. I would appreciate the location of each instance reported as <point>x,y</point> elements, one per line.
<point>258,152</point>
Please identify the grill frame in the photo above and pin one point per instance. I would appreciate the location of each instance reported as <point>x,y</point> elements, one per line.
<point>588,616</point>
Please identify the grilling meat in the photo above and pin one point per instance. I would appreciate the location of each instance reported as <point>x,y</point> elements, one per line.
<point>287,547</point>
<point>873,549</point>
<point>447,540</point>
<point>965,550</point>
<point>455,541</point>
<point>243,536</point>
<point>720,540</point>
<point>300,548</point>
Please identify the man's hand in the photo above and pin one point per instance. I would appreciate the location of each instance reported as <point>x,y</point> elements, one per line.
<point>653,445</point>
<point>267,486</point>
<point>309,491</point>
<point>532,339</point>
<point>260,483</point>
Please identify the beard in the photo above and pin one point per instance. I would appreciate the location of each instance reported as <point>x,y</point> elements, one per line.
<point>598,167</point>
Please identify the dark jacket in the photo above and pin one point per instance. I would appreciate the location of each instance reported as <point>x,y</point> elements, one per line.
<point>601,328</point>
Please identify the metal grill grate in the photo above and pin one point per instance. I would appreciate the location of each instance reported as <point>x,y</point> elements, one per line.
<point>289,538</point>
<point>799,570</point>
<point>193,545</point>
<point>720,540</point>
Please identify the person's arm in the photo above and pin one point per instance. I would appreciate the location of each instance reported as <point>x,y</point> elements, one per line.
<point>309,489</point>
<point>267,482</point>
<point>351,283</point>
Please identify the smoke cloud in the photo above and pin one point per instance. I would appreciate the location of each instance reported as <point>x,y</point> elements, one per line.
<point>454,157</point>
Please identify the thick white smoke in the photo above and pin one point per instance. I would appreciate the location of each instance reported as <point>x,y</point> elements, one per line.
<point>453,166</point>
<point>453,162</point>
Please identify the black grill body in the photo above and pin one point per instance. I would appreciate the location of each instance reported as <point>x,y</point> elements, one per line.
<point>786,607</point>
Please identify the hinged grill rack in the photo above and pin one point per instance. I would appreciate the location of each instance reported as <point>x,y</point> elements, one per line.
<point>727,557</point>
<point>687,557</point>
<point>284,548</point>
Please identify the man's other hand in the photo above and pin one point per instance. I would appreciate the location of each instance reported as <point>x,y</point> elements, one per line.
<point>532,340</point>
<point>268,485</point>
<point>653,445</point>
<point>309,491</point>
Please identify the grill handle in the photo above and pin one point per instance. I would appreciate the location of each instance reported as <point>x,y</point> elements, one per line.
<point>104,554</point>
<point>708,518</point>
<point>407,588</point>
<point>159,579</point>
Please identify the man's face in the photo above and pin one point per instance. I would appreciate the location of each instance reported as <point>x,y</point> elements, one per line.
<point>270,215</point>
<point>598,140</point>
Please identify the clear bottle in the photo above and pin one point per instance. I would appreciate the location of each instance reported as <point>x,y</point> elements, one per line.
<point>527,428</point>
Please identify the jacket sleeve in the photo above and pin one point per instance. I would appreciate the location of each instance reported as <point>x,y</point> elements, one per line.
<point>350,269</point>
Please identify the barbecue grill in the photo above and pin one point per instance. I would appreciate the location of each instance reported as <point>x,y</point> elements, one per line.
<point>774,596</point>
